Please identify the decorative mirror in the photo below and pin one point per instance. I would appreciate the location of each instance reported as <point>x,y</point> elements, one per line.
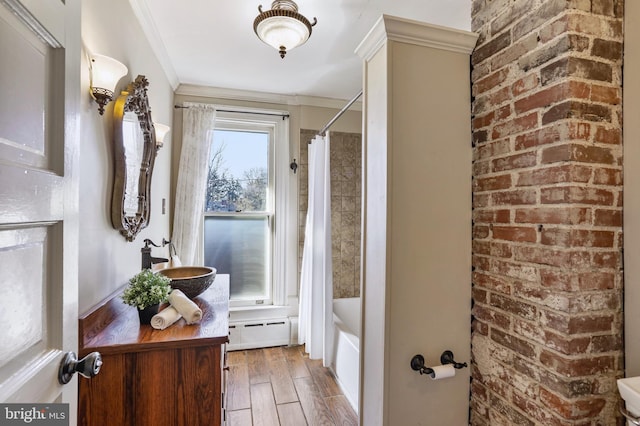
<point>135,152</point>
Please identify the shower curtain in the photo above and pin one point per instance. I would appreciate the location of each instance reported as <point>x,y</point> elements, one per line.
<point>315,323</point>
<point>197,134</point>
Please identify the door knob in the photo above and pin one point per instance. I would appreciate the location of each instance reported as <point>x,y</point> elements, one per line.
<point>87,367</point>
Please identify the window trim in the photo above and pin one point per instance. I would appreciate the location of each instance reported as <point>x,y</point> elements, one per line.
<point>281,205</point>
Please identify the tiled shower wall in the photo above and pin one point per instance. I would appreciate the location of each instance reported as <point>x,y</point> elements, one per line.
<point>346,178</point>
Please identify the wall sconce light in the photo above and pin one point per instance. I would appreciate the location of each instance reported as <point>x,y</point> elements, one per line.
<point>282,27</point>
<point>104,74</point>
<point>161,132</point>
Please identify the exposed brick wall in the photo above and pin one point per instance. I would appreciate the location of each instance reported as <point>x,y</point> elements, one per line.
<point>547,233</point>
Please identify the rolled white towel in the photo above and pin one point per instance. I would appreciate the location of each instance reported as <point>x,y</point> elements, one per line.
<point>185,306</point>
<point>165,318</point>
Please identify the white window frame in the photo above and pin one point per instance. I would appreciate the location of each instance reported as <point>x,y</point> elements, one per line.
<point>281,207</point>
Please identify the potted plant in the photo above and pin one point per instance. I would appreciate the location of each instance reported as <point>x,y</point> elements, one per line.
<point>146,291</point>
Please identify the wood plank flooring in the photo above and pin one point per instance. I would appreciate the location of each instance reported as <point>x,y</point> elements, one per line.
<point>281,386</point>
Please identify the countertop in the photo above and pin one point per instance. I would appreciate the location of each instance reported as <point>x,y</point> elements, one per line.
<point>113,327</point>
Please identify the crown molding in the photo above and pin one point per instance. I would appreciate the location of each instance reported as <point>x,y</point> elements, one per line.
<point>262,97</point>
<point>143,15</point>
<point>414,32</point>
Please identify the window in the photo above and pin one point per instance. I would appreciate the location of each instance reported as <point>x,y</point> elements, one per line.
<point>244,202</point>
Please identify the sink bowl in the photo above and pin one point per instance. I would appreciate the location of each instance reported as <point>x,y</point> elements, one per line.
<point>191,280</point>
<point>630,391</point>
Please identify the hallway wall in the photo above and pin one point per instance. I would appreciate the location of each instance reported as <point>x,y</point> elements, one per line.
<point>547,235</point>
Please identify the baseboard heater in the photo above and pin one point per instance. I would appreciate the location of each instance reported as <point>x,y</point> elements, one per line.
<point>259,334</point>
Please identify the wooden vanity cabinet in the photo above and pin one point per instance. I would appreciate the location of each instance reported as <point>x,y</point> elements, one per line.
<point>154,377</point>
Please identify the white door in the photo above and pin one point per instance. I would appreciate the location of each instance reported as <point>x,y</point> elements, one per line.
<point>39,102</point>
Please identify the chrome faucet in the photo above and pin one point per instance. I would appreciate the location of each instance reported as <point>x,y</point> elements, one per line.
<point>147,259</point>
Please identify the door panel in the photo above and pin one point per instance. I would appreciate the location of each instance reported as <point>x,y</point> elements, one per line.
<point>38,198</point>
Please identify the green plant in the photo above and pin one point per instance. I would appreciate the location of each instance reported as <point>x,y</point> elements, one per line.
<point>146,289</point>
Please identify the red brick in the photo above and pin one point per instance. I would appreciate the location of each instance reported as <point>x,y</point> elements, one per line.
<point>515,233</point>
<point>516,161</point>
<point>515,307</point>
<point>551,257</point>
<point>492,283</point>
<point>577,110</point>
<point>577,153</point>
<point>577,238</point>
<point>484,120</point>
<point>595,25</point>
<point>554,215</point>
<point>491,81</point>
<point>575,409</point>
<point>576,195</point>
<point>577,367</point>
<point>520,346</point>
<point>492,183</point>
<point>493,249</point>
<point>606,343</point>
<point>559,131</point>
<point>571,281</point>
<point>492,216</point>
<point>565,344</point>
<point>604,176</point>
<point>577,68</point>
<point>557,174</point>
<point>611,136</point>
<point>480,231</point>
<point>606,95</point>
<point>491,317</point>
<point>491,48</point>
<point>525,84</point>
<point>517,125</point>
<point>608,218</point>
<point>480,201</point>
<point>607,49</point>
<point>518,197</point>
<point>610,259</point>
<point>492,149</point>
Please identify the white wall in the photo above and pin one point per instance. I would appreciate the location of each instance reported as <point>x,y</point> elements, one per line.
<point>417,222</point>
<point>106,259</point>
<point>631,148</point>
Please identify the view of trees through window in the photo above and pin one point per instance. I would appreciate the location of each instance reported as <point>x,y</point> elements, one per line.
<point>238,172</point>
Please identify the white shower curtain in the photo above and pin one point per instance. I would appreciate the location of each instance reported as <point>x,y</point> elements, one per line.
<point>315,323</point>
<point>197,134</point>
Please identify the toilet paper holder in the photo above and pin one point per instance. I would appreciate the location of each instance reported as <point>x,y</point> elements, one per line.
<point>417,363</point>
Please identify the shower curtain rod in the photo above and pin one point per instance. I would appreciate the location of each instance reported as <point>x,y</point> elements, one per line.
<point>277,114</point>
<point>338,115</point>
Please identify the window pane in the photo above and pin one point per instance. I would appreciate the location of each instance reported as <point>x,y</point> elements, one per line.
<point>239,247</point>
<point>238,172</point>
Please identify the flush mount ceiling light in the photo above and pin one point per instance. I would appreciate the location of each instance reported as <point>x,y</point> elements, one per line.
<point>282,27</point>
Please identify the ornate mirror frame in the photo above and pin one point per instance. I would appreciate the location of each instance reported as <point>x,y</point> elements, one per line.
<point>134,157</point>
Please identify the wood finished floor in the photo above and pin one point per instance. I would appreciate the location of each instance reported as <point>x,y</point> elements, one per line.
<point>282,386</point>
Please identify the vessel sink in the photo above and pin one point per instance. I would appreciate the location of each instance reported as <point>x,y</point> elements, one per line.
<point>191,280</point>
<point>630,391</point>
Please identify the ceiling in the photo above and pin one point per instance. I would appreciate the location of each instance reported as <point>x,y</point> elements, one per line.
<point>212,43</point>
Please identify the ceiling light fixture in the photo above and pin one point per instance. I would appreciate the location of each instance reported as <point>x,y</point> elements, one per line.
<point>283,27</point>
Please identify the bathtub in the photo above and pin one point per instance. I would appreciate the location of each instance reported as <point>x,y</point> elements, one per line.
<point>346,347</point>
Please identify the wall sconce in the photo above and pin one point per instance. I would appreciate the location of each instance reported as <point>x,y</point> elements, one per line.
<point>104,74</point>
<point>161,132</point>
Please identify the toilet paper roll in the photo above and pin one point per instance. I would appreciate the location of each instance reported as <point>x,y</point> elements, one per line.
<point>443,371</point>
